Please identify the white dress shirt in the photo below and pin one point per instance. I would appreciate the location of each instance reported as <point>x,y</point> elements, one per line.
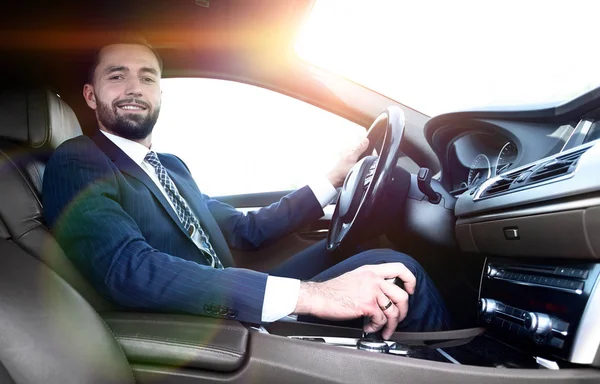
<point>281,293</point>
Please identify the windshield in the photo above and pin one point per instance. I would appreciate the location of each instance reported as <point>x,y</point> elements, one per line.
<point>442,56</point>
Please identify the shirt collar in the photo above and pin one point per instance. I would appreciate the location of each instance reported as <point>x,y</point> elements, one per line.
<point>136,151</point>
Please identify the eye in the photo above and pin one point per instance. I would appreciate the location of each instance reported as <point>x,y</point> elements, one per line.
<point>148,80</point>
<point>116,77</point>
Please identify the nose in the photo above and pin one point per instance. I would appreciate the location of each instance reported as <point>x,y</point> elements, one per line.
<point>133,88</point>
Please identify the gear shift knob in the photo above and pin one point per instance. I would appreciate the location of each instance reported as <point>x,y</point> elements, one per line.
<point>373,342</point>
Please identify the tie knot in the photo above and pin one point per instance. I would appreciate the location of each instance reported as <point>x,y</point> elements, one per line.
<point>152,158</point>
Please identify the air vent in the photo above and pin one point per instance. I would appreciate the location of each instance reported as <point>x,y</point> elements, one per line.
<point>535,174</point>
<point>504,183</point>
<point>559,166</point>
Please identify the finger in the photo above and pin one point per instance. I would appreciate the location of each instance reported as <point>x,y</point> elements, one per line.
<point>390,270</point>
<point>364,143</point>
<point>378,320</point>
<point>359,148</point>
<point>391,312</point>
<point>398,296</point>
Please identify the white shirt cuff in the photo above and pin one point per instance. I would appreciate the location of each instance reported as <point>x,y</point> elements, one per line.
<point>281,297</point>
<point>323,190</point>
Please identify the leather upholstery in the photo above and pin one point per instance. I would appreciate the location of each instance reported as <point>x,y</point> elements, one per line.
<point>48,333</point>
<point>36,118</point>
<point>180,340</point>
<point>31,124</point>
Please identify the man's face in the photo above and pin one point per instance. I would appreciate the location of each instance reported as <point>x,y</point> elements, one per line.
<point>126,90</point>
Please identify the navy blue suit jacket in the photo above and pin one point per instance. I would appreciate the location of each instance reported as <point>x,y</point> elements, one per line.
<point>118,228</point>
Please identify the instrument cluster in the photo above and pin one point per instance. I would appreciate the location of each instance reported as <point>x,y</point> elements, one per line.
<point>476,157</point>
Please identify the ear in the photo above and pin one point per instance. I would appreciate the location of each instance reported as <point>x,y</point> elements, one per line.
<point>89,96</point>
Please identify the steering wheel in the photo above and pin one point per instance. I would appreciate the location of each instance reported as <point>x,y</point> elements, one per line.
<point>368,179</point>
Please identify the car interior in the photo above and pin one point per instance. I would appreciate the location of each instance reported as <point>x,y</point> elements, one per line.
<point>502,209</point>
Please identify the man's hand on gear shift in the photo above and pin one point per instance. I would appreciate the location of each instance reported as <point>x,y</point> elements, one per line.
<point>361,292</point>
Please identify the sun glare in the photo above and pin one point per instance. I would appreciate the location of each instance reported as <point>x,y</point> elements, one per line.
<point>439,56</point>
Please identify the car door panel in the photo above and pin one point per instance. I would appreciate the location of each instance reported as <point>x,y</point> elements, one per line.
<point>275,253</point>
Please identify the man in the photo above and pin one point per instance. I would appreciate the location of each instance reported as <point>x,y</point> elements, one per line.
<point>136,224</point>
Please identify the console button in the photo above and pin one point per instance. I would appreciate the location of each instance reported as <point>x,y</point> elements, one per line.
<point>560,326</point>
<point>561,283</point>
<point>556,342</point>
<point>581,273</point>
<point>578,273</point>
<point>518,313</point>
<point>562,271</point>
<point>575,285</point>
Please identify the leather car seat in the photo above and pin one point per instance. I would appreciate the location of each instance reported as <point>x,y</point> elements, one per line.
<point>48,333</point>
<point>32,124</point>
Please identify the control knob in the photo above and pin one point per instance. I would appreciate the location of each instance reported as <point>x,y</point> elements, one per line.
<point>491,271</point>
<point>487,307</point>
<point>539,324</point>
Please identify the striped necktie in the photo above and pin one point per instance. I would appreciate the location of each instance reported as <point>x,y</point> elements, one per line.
<point>188,219</point>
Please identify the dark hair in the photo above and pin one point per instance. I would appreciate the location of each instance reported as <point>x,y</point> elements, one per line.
<point>137,40</point>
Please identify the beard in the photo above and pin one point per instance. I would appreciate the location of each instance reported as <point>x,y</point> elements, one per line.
<point>130,126</point>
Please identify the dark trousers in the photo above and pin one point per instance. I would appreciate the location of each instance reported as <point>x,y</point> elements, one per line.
<point>426,309</point>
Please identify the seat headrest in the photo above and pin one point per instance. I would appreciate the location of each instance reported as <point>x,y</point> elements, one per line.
<point>36,118</point>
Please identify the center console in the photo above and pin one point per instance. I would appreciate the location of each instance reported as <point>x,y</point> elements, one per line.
<point>550,310</point>
<point>168,348</point>
<point>531,315</point>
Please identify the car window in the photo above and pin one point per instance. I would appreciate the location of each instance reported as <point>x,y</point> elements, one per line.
<point>238,138</point>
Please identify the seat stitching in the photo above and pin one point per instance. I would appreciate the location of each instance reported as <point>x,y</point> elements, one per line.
<point>175,342</point>
<point>175,322</point>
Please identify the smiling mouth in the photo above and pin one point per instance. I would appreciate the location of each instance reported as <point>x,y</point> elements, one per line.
<point>132,105</point>
<point>129,107</point>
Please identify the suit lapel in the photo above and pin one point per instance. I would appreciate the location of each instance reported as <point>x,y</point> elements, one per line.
<point>128,166</point>
<point>194,199</point>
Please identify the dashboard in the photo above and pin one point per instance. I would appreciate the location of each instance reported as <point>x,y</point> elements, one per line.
<point>480,153</point>
<point>527,189</point>
<point>500,164</point>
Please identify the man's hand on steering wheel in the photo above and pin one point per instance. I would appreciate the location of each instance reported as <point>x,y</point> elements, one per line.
<point>368,179</point>
<point>347,160</point>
